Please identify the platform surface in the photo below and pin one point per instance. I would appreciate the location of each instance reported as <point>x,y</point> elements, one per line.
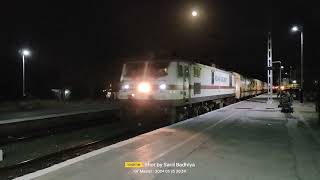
<point>249,140</point>
<point>13,117</point>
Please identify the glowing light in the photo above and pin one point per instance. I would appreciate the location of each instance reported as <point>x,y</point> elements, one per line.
<point>25,52</point>
<point>282,87</point>
<point>294,29</point>
<point>67,91</point>
<point>144,87</point>
<point>194,13</point>
<point>294,81</point>
<point>162,86</point>
<point>126,86</point>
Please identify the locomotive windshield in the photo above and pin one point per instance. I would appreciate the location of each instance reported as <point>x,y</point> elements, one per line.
<point>134,69</point>
<point>158,69</point>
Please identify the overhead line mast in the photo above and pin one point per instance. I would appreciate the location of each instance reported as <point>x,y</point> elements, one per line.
<point>269,68</point>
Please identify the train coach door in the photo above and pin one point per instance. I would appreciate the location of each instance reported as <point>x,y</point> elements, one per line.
<point>186,82</point>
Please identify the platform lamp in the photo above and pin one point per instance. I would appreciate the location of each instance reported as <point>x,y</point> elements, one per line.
<point>24,53</point>
<point>300,29</point>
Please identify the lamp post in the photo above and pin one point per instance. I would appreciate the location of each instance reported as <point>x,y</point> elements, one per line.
<point>24,53</point>
<point>300,29</point>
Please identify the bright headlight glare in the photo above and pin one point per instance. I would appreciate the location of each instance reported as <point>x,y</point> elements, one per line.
<point>67,91</point>
<point>162,86</point>
<point>126,86</point>
<point>144,87</point>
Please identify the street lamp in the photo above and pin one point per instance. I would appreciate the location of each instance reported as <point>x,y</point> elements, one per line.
<point>24,52</point>
<point>194,13</point>
<point>300,29</point>
<point>294,29</point>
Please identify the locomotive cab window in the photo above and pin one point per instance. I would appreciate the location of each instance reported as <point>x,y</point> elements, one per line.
<point>134,69</point>
<point>158,69</point>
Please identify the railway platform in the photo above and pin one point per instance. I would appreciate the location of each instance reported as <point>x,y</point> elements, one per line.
<point>15,124</point>
<point>249,140</point>
<point>15,117</point>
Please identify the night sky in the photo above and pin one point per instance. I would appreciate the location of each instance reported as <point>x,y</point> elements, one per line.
<point>81,44</point>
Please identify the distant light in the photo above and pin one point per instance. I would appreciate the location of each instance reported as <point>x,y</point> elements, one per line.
<point>282,67</point>
<point>194,13</point>
<point>286,73</point>
<point>126,86</point>
<point>282,87</point>
<point>67,92</point>
<point>294,81</point>
<point>294,29</point>
<point>163,86</point>
<point>25,52</point>
<point>133,95</point>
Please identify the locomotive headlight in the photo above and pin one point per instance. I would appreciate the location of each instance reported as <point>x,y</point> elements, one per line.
<point>144,87</point>
<point>126,86</point>
<point>162,86</point>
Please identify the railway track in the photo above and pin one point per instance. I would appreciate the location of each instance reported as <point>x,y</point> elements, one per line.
<point>28,136</point>
<point>33,164</point>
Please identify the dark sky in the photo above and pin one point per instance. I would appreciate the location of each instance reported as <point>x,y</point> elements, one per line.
<point>81,44</point>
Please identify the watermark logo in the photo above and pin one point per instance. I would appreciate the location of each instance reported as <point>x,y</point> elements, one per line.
<point>133,164</point>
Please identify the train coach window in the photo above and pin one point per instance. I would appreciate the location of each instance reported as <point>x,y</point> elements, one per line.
<point>212,77</point>
<point>158,69</point>
<point>196,71</point>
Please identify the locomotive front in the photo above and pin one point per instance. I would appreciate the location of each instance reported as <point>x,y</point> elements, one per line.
<point>144,81</point>
<point>146,89</point>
